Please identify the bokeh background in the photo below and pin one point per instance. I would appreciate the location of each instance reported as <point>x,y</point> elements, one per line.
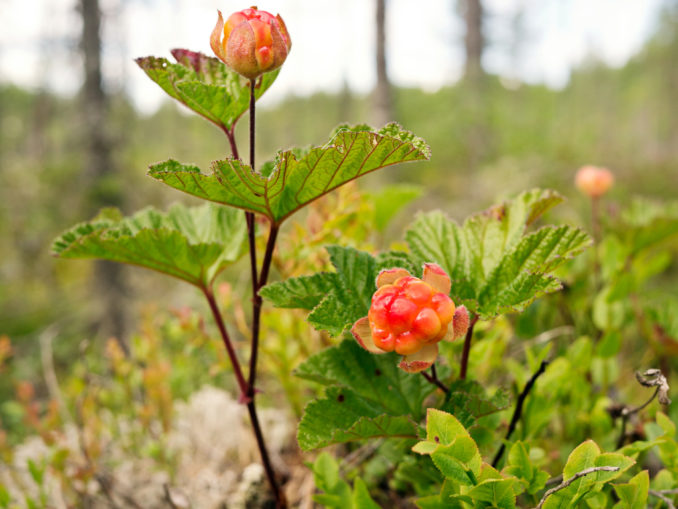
<point>510,94</point>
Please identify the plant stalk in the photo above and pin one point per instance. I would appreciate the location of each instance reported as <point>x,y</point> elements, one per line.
<point>258,281</point>
<point>257,304</point>
<point>242,384</point>
<point>247,387</point>
<point>467,348</point>
<point>433,378</point>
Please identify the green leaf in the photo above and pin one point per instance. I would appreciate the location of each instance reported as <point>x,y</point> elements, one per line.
<point>296,182</point>
<point>193,244</point>
<point>452,449</point>
<point>634,493</point>
<point>522,467</point>
<point>459,461</point>
<point>494,266</point>
<point>443,428</point>
<point>337,299</point>
<point>205,85</point>
<point>326,476</point>
<point>585,456</point>
<point>304,292</point>
<point>468,398</point>
<point>343,416</point>
<point>351,297</point>
<point>369,397</point>
<point>361,496</point>
<point>495,493</point>
<point>390,200</point>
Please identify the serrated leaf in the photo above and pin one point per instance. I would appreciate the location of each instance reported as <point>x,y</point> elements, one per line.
<point>304,292</point>
<point>193,244</point>
<point>296,182</point>
<point>443,428</point>
<point>337,299</point>
<point>375,378</point>
<point>393,259</point>
<point>369,397</point>
<point>468,397</point>
<point>344,416</point>
<point>205,85</point>
<point>494,266</point>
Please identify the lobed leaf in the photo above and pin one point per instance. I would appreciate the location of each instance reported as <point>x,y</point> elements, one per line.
<point>296,181</point>
<point>205,85</point>
<point>494,266</point>
<point>192,244</point>
<point>337,299</point>
<point>368,397</point>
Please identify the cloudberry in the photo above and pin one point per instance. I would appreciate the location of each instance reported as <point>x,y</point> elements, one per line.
<point>594,181</point>
<point>410,316</point>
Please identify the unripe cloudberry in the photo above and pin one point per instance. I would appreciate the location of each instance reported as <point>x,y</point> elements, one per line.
<point>251,42</point>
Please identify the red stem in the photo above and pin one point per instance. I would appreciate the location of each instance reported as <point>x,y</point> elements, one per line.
<point>249,392</point>
<point>249,216</point>
<point>257,304</point>
<point>244,388</point>
<point>467,348</point>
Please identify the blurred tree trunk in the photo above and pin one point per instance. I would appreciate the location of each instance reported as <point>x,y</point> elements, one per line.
<point>100,171</point>
<point>473,40</point>
<point>383,101</point>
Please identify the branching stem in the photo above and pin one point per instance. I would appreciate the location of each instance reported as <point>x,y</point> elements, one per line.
<point>569,481</point>
<point>433,378</point>
<point>627,412</point>
<point>467,348</point>
<point>518,412</point>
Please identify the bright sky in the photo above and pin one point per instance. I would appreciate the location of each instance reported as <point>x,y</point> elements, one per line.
<point>333,40</point>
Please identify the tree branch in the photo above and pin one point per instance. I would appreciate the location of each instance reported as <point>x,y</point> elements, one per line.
<point>576,476</point>
<point>517,413</point>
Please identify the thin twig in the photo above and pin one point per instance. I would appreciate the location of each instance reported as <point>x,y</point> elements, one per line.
<point>650,378</point>
<point>576,476</point>
<point>433,378</point>
<point>467,348</point>
<point>517,413</point>
<point>661,496</point>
